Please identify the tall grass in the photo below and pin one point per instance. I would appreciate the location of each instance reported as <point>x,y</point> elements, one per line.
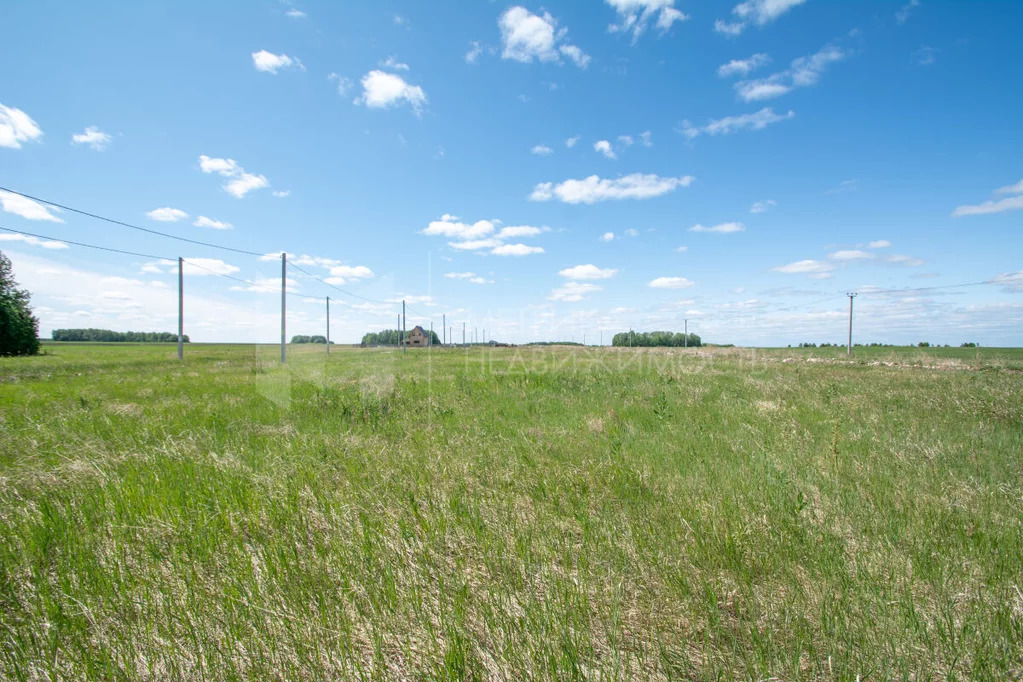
<point>511,514</point>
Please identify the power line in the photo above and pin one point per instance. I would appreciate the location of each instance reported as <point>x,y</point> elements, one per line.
<point>134,227</point>
<point>337,288</point>
<point>867,292</point>
<point>88,246</point>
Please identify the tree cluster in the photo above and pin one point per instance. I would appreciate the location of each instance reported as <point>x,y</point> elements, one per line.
<point>317,338</point>
<point>391,337</point>
<point>672,339</point>
<point>19,329</point>
<point>108,336</point>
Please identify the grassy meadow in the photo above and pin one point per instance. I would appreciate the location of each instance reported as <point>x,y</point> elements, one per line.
<point>511,514</point>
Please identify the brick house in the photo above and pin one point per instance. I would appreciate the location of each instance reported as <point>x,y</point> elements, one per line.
<point>418,337</point>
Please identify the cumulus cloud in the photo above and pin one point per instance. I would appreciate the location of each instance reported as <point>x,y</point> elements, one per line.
<point>516,250</point>
<point>393,64</point>
<point>474,52</point>
<point>634,16</point>
<point>987,207</point>
<point>93,137</point>
<point>382,90</point>
<point>541,150</point>
<point>570,142</point>
<point>594,188</point>
<point>16,127</point>
<point>480,235</point>
<point>513,231</point>
<point>588,271</point>
<point>526,36</point>
<point>742,67</point>
<point>203,221</point>
<point>240,182</point>
<point>607,237</point>
<point>166,214</point>
<point>762,206</point>
<point>723,228</point>
<point>571,292</point>
<point>344,83</point>
<point>732,124</point>
<point>802,72</point>
<point>903,14</point>
<point>757,12</point>
<point>295,13</point>
<point>604,147</point>
<point>815,269</point>
<point>448,226</point>
<point>469,277</point>
<point>32,241</point>
<point>27,208</point>
<point>269,62</point>
<point>670,283</point>
<point>850,255</point>
<point>879,244</point>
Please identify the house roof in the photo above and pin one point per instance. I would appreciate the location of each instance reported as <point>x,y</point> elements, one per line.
<point>417,328</point>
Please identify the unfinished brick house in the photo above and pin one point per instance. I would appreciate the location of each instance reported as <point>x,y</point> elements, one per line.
<point>418,337</point>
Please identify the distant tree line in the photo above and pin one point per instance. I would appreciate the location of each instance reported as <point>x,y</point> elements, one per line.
<point>922,344</point>
<point>310,339</point>
<point>391,337</point>
<point>554,343</point>
<point>108,336</point>
<point>673,339</point>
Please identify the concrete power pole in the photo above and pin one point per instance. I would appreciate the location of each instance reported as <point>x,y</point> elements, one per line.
<point>848,348</point>
<point>685,333</point>
<point>181,308</point>
<point>328,325</point>
<point>444,328</point>
<point>284,304</point>
<point>463,333</point>
<point>404,343</point>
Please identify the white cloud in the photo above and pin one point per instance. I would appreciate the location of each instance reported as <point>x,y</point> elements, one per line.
<point>724,228</point>
<point>646,137</point>
<point>469,277</point>
<point>570,142</point>
<point>203,221</point>
<point>526,36</point>
<point>541,150</point>
<point>571,292</point>
<point>516,250</point>
<point>272,63</point>
<point>762,206</point>
<point>588,271</point>
<point>474,52</point>
<point>166,214</point>
<point>281,194</point>
<point>604,147</point>
<point>879,244</point>
<point>16,127</point>
<point>682,249</point>
<point>607,237</point>
<point>351,272</point>
<point>381,90</point>
<point>344,83</point>
<point>635,15</point>
<point>206,266</point>
<point>802,72</point>
<point>1013,281</point>
<point>742,67</point>
<point>759,12</point>
<point>33,241</point>
<point>592,189</point>
<point>448,226</point>
<point>1011,189</point>
<point>908,261</point>
<point>732,124</point>
<point>520,231</point>
<point>987,207</point>
<point>850,255</point>
<point>632,232</point>
<point>670,283</point>
<point>241,183</point>
<point>295,13</point>
<point>26,208</point>
<point>925,56</point>
<point>94,137</point>
<point>393,64</point>
<point>903,14</point>
<point>475,244</point>
<point>268,285</point>
<point>816,269</point>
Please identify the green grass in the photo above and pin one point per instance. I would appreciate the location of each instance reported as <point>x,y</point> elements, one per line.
<point>516,514</point>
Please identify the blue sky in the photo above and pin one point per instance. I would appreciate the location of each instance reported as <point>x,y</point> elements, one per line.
<point>541,171</point>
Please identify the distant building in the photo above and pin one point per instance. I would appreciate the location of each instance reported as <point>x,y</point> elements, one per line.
<point>418,337</point>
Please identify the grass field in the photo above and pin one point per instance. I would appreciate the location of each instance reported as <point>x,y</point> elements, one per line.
<point>511,514</point>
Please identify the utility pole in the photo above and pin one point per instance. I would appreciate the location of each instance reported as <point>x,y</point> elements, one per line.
<point>328,325</point>
<point>284,304</point>
<point>444,328</point>
<point>404,343</point>
<point>181,308</point>
<point>848,348</point>
<point>463,333</point>
<point>685,332</point>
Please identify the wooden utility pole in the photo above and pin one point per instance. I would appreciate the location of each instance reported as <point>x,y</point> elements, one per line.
<point>284,304</point>
<point>181,308</point>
